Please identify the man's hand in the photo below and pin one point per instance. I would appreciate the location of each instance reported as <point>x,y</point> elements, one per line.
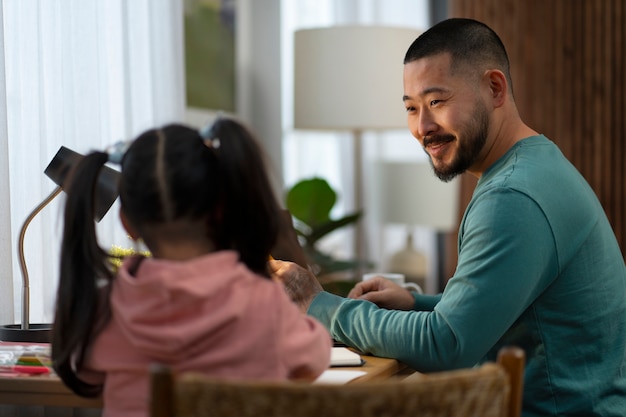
<point>301,285</point>
<point>383,293</point>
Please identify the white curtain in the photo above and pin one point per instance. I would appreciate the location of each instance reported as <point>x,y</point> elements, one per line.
<point>330,155</point>
<point>81,74</point>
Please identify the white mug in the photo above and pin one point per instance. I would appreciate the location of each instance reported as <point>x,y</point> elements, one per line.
<point>396,279</point>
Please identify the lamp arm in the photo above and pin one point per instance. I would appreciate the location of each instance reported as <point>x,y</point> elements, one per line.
<point>20,252</point>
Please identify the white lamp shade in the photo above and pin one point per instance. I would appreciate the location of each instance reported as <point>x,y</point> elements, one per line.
<point>350,77</point>
<point>411,194</point>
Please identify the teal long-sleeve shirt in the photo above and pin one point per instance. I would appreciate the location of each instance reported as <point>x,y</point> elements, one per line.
<point>539,267</point>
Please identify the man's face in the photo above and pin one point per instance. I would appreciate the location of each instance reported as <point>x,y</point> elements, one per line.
<point>446,114</point>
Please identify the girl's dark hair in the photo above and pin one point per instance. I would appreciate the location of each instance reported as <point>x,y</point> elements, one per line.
<point>168,176</point>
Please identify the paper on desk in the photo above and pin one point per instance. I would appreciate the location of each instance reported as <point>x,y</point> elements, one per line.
<point>335,376</point>
<point>341,356</point>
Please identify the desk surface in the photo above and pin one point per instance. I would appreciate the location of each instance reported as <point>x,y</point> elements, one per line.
<point>50,391</point>
<point>378,369</point>
<point>41,390</point>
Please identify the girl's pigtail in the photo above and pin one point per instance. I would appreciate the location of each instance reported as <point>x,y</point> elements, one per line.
<point>79,308</point>
<point>250,212</point>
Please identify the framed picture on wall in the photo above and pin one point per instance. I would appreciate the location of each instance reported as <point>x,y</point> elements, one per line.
<point>210,54</point>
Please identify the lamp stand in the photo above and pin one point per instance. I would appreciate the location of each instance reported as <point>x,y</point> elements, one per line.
<point>359,231</point>
<point>26,332</point>
<point>104,197</point>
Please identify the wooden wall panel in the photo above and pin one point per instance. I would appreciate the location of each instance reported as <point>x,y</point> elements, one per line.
<point>568,66</point>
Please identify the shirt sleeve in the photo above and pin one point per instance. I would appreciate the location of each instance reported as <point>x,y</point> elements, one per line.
<point>425,302</point>
<point>506,258</point>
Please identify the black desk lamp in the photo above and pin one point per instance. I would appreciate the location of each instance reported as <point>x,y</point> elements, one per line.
<point>105,195</point>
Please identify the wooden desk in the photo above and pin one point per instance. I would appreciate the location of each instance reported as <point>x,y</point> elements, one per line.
<point>379,369</point>
<point>43,391</point>
<point>49,391</point>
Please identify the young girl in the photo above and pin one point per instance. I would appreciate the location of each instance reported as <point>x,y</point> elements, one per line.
<point>204,301</point>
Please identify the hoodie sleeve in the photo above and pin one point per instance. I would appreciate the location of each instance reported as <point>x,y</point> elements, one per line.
<point>306,344</point>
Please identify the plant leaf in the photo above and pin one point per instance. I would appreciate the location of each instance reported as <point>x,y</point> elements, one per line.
<point>311,200</point>
<point>323,229</point>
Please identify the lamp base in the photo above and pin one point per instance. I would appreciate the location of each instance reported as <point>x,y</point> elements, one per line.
<point>410,262</point>
<point>36,333</point>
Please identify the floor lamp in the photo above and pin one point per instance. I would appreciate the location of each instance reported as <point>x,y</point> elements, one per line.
<point>411,194</point>
<point>105,195</point>
<point>349,78</point>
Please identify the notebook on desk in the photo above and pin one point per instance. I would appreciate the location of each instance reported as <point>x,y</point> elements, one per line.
<point>341,356</point>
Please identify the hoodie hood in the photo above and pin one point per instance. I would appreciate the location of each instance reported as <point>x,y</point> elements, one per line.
<point>171,309</point>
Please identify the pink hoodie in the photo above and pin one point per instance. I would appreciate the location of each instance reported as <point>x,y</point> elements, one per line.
<point>210,314</point>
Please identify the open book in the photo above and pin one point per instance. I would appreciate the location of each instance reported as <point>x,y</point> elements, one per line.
<point>342,356</point>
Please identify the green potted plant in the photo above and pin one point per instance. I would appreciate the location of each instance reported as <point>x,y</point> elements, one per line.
<point>310,202</point>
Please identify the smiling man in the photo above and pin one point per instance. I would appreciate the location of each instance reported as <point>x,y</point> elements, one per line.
<point>539,266</point>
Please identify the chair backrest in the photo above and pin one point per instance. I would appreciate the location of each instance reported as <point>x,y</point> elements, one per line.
<point>513,360</point>
<point>485,391</point>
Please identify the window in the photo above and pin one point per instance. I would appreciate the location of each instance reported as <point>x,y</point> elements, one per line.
<point>84,75</point>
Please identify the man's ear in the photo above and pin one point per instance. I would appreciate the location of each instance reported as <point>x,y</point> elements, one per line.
<point>128,226</point>
<point>498,86</point>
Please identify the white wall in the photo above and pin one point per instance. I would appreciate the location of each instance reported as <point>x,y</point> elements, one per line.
<point>259,75</point>
<point>258,85</point>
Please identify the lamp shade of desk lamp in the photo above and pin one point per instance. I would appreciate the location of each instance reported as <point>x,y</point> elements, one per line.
<point>105,195</point>
<point>349,78</point>
<point>412,195</point>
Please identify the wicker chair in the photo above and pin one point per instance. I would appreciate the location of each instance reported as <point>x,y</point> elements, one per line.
<point>491,390</point>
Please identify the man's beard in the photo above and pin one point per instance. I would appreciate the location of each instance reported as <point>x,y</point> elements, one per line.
<point>473,141</point>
